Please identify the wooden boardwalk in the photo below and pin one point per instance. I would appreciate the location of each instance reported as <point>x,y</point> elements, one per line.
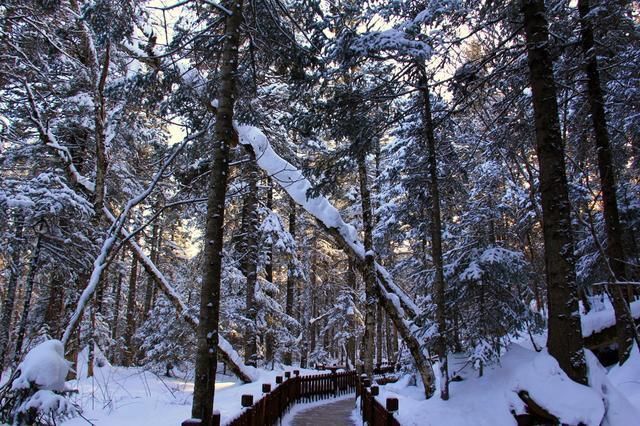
<point>334,414</point>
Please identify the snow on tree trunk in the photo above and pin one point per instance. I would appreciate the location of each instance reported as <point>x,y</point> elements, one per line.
<point>396,304</point>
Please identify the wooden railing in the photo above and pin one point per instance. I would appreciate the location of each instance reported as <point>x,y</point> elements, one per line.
<point>372,412</point>
<point>275,403</point>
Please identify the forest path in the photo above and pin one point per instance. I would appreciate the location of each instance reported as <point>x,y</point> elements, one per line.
<point>336,413</point>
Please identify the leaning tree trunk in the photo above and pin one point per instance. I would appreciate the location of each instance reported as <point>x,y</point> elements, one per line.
<point>400,308</point>
<point>207,354</point>
<point>436,243</point>
<point>35,257</point>
<point>625,327</point>
<point>369,274</point>
<point>250,228</point>
<point>565,338</point>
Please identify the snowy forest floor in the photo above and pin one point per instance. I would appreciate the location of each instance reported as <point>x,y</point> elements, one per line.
<point>119,396</point>
<point>129,396</point>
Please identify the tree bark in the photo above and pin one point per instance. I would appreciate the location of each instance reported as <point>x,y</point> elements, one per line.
<point>35,257</point>
<point>100,130</point>
<point>250,227</point>
<point>625,327</point>
<point>565,338</point>
<point>117,291</point>
<point>55,309</point>
<point>379,335</point>
<point>351,341</point>
<point>369,274</point>
<point>436,243</point>
<point>268,267</point>
<point>291,276</point>
<point>156,234</point>
<point>207,354</point>
<point>131,314</point>
<point>10,298</point>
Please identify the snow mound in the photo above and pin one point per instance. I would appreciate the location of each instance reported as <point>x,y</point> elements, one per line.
<point>43,366</point>
<point>626,377</point>
<point>549,386</point>
<point>619,411</point>
<point>46,401</point>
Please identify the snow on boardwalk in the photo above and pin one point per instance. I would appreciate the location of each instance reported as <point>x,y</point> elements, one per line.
<point>335,413</point>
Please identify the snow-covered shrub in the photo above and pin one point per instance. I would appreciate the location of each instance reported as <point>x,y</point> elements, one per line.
<point>36,394</point>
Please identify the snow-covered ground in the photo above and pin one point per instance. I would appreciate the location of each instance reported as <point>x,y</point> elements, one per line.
<point>119,396</point>
<point>489,400</point>
<point>130,396</point>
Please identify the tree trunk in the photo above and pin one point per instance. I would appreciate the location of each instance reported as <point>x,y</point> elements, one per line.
<point>10,298</point>
<point>131,314</point>
<point>351,342</point>
<point>35,257</point>
<point>306,302</point>
<point>250,228</point>
<point>379,335</point>
<point>436,243</point>
<point>389,340</point>
<point>54,310</point>
<point>625,327</point>
<point>291,276</point>
<point>369,275</point>
<point>149,290</point>
<point>207,354</point>
<point>100,130</point>
<point>565,338</point>
<point>117,297</point>
<point>268,268</point>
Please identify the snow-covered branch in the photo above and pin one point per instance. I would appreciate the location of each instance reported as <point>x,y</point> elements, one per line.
<point>112,234</point>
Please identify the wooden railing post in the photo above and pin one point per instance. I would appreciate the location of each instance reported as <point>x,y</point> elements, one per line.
<point>392,406</point>
<point>215,418</point>
<point>334,383</point>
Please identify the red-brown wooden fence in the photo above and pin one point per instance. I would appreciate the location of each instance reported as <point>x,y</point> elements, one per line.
<point>273,405</point>
<point>372,412</point>
<point>276,402</point>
